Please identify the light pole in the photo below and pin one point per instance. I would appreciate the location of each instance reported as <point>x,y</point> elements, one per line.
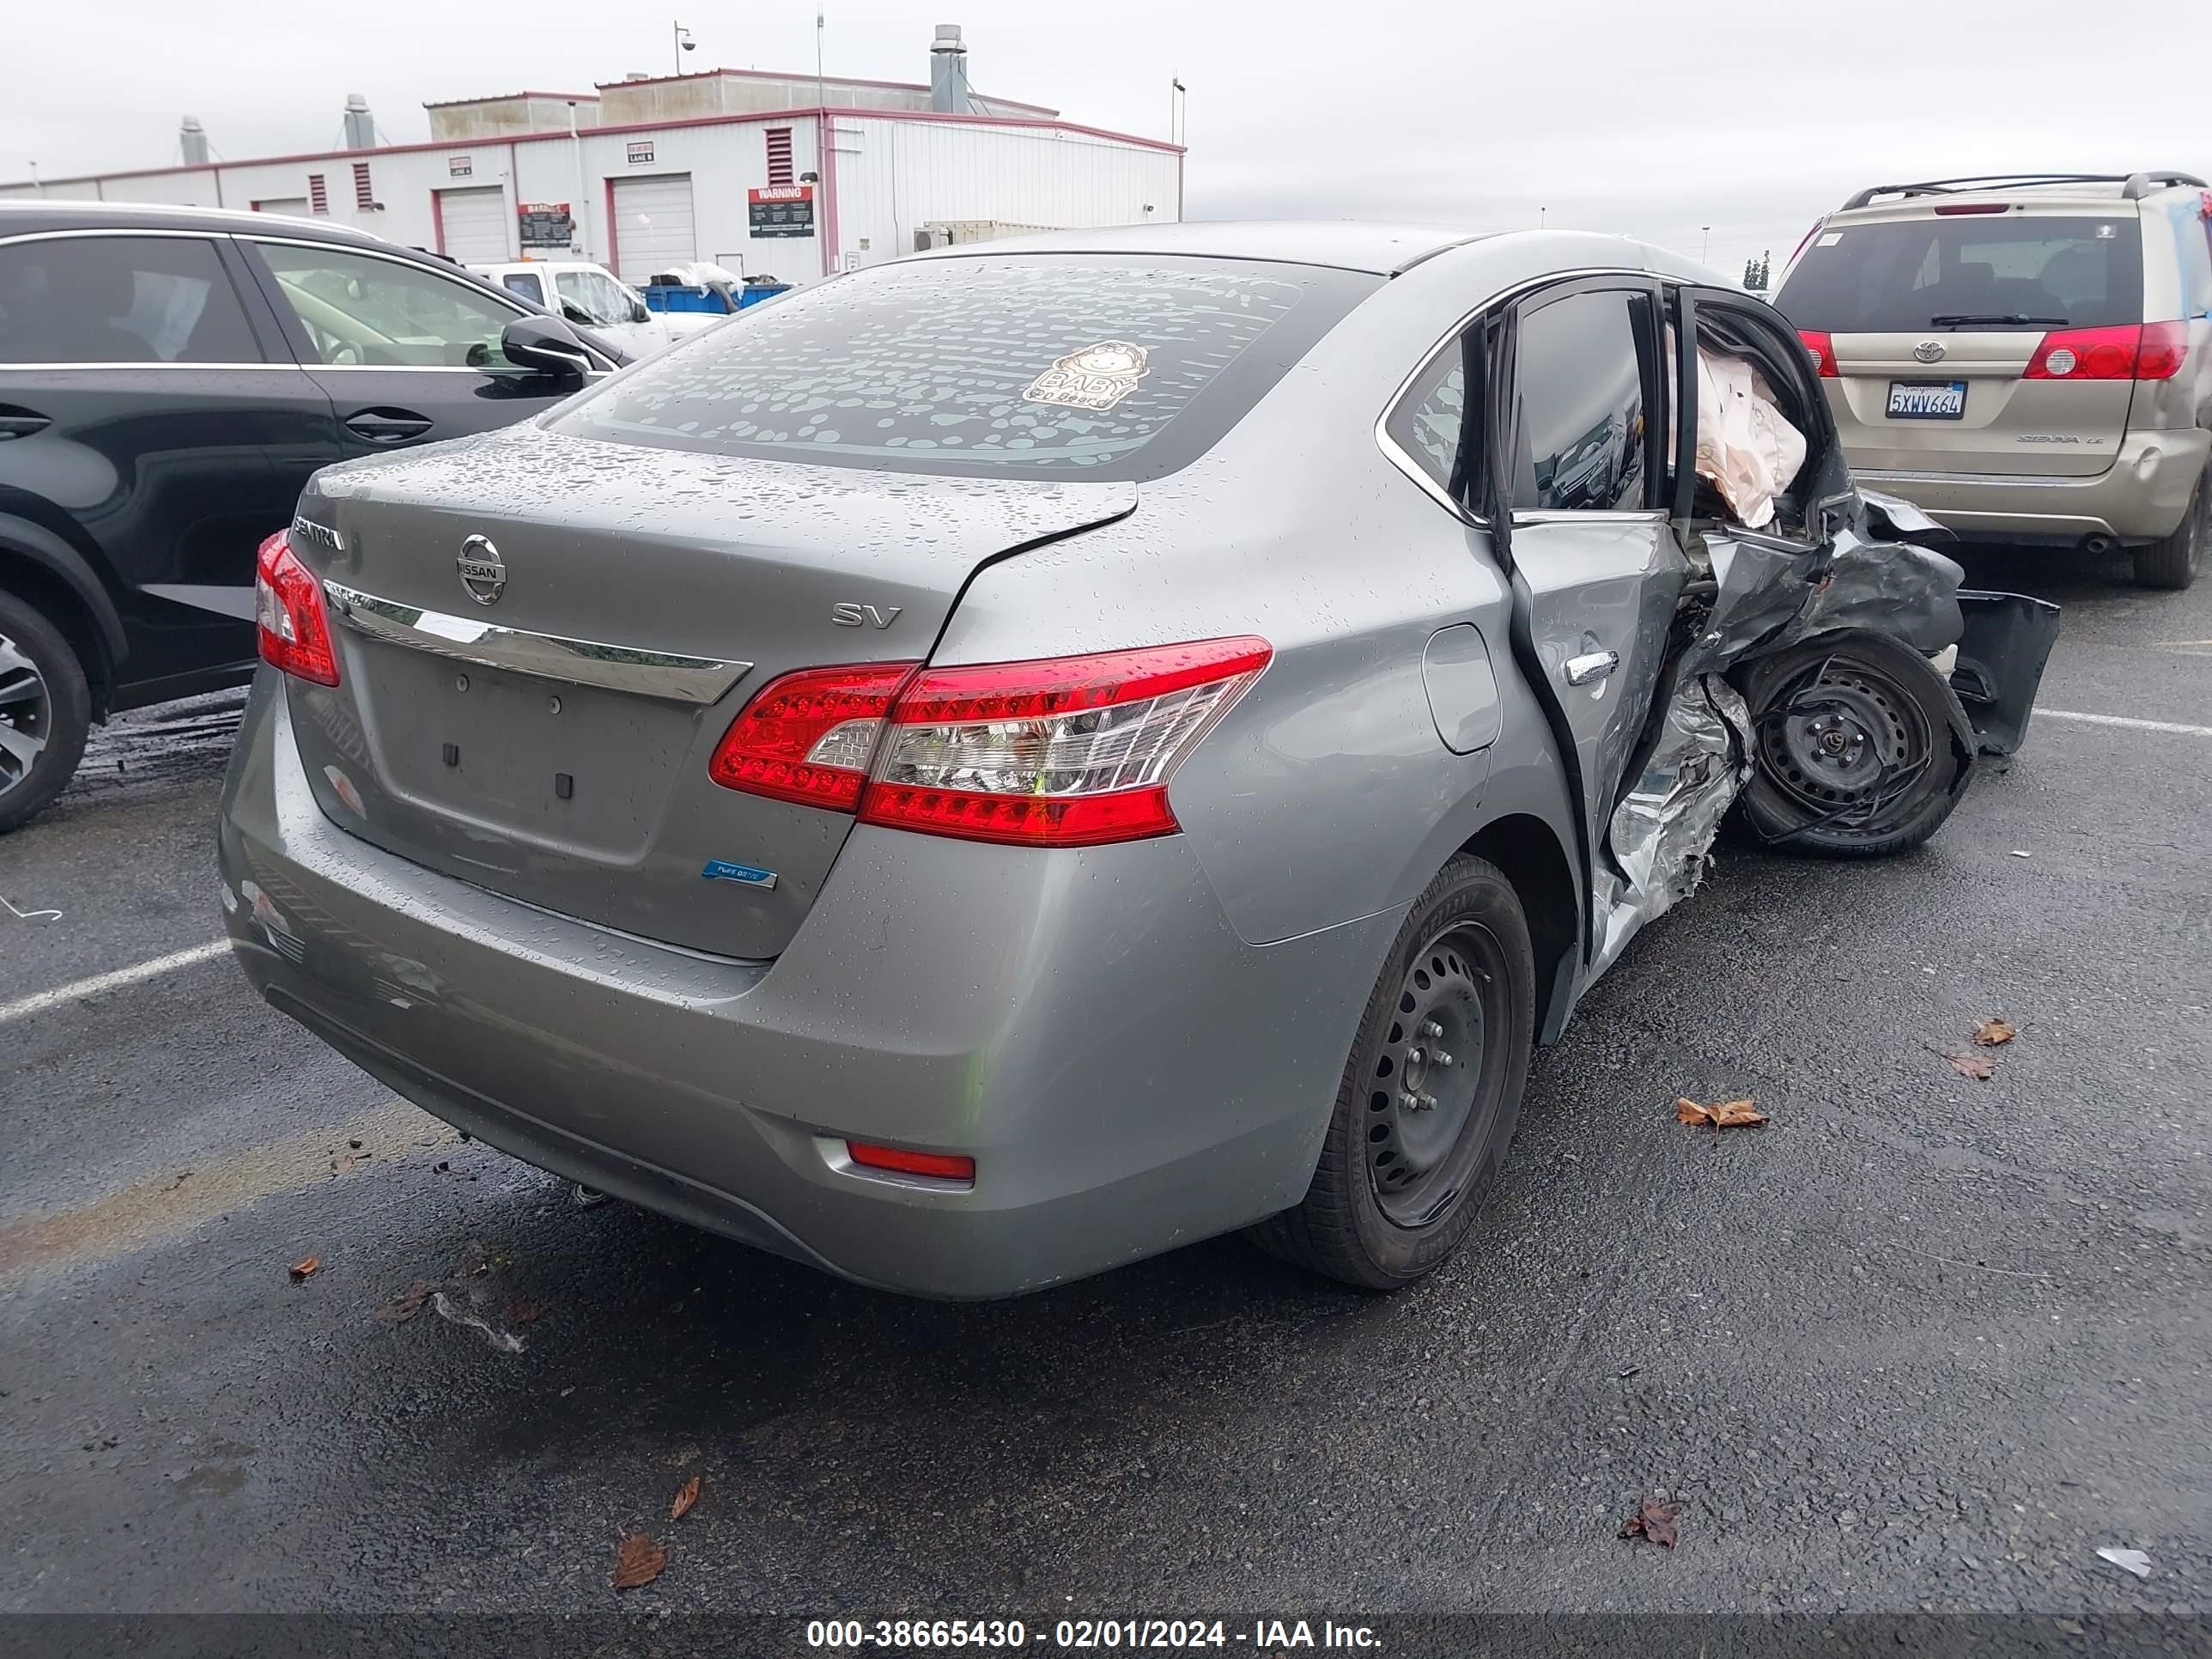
<point>683,43</point>
<point>1706,247</point>
<point>1541,212</point>
<point>1177,91</point>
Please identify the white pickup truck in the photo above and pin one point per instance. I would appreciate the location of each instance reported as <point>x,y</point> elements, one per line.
<point>592,296</point>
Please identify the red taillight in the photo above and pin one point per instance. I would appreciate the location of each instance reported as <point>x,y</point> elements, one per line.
<point>2164,345</point>
<point>1956,209</point>
<point>287,607</point>
<point>1067,752</point>
<point>1824,351</point>
<point>806,736</point>
<point>942,1165</point>
<point>2128,351</point>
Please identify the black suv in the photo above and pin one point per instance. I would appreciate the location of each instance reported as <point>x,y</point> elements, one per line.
<point>169,377</point>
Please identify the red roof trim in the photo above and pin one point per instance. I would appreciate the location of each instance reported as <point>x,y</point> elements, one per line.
<point>446,144</point>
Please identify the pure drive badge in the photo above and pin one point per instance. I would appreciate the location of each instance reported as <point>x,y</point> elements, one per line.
<point>751,876</point>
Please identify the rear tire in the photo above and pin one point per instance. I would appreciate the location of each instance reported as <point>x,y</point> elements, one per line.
<point>1451,1022</point>
<point>45,710</point>
<point>2172,563</point>
<point>1861,749</point>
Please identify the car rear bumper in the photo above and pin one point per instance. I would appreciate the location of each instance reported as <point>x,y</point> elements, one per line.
<point>1128,1075</point>
<point>2141,497</point>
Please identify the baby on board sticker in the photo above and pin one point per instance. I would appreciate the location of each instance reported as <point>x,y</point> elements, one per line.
<point>1096,378</point>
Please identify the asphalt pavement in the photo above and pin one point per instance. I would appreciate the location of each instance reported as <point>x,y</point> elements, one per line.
<point>1922,1341</point>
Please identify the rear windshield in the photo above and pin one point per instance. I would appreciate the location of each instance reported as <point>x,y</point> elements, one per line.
<point>1113,367</point>
<point>1970,271</point>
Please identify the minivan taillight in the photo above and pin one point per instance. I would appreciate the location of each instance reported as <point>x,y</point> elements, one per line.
<point>2126,351</point>
<point>1065,751</point>
<point>290,617</point>
<point>1823,349</point>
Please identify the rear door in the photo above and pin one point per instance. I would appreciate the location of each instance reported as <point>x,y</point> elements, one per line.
<point>406,354</point>
<point>1935,316</point>
<point>139,401</point>
<point>1581,405</point>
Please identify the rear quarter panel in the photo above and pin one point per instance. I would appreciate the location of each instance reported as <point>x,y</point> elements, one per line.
<point>1329,794</point>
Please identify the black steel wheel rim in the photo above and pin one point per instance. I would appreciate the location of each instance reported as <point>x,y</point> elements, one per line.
<point>27,713</point>
<point>1432,1087</point>
<point>1843,742</point>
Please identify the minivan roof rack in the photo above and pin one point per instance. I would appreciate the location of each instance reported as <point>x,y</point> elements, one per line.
<point>2134,186</point>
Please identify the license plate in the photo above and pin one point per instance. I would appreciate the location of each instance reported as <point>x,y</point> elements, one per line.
<point>1927,400</point>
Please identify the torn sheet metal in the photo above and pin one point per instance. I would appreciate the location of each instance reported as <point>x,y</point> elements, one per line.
<point>1746,448</point>
<point>1661,833</point>
<point>1764,595</point>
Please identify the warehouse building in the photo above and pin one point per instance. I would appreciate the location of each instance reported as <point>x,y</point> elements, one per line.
<point>784,175</point>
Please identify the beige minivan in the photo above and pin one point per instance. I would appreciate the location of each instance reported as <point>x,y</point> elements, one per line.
<point>2027,359</point>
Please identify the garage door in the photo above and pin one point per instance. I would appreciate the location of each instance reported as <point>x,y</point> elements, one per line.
<point>473,224</point>
<point>653,225</point>
<point>294,206</point>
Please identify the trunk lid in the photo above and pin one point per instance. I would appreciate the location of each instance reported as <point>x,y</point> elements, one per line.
<point>552,744</point>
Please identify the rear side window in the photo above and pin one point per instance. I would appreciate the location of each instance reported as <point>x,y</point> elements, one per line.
<point>526,283</point>
<point>1429,422</point>
<point>1578,379</point>
<point>1106,367</point>
<point>1969,271</point>
<point>120,300</point>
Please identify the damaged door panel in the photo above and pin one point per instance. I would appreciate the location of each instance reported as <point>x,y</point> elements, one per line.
<point>1794,692</point>
<point>1582,402</point>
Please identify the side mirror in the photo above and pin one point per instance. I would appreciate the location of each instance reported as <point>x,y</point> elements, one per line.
<point>638,313</point>
<point>544,345</point>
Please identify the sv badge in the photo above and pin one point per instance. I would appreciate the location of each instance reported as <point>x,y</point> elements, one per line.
<point>858,616</point>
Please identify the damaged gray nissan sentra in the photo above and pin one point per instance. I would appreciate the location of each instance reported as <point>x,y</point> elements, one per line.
<point>1015,760</point>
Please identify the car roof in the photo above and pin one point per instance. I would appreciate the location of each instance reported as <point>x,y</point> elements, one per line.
<point>1346,244</point>
<point>18,216</point>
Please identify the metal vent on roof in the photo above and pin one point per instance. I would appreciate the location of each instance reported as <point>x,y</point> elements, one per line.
<point>319,195</point>
<point>779,156</point>
<point>364,193</point>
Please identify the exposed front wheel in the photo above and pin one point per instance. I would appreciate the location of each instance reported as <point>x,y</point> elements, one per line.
<point>2173,563</point>
<point>1431,1093</point>
<point>45,711</point>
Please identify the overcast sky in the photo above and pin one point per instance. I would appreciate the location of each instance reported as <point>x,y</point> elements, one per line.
<point>1657,120</point>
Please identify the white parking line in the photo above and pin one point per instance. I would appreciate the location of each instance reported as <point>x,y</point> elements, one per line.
<point>2123,720</point>
<point>121,977</point>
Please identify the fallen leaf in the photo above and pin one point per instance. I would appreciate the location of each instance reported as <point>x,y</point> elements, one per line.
<point>1726,1114</point>
<point>404,1306</point>
<point>686,1496</point>
<point>1655,1519</point>
<point>521,1311</point>
<point>639,1561</point>
<point>1992,1032</point>
<point>1972,1065</point>
<point>301,1269</point>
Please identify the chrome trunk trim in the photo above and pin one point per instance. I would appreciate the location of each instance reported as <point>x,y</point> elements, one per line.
<point>547,656</point>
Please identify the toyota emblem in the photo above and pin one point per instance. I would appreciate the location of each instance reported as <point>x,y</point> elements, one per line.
<point>1928,351</point>
<point>483,573</point>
